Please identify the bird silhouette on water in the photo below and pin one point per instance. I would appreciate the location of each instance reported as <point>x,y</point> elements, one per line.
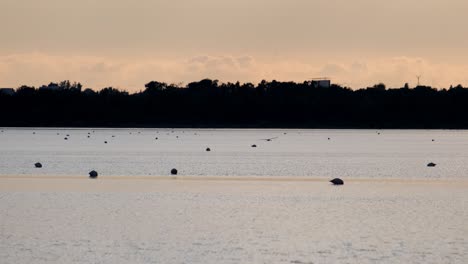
<point>269,139</point>
<point>337,181</point>
<point>93,174</point>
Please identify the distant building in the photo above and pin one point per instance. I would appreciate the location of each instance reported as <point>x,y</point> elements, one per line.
<point>321,83</point>
<point>7,91</point>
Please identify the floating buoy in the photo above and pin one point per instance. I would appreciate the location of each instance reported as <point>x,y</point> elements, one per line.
<point>254,146</point>
<point>337,181</point>
<point>174,172</point>
<point>93,174</point>
<point>38,165</point>
<point>105,142</point>
<point>156,138</point>
<point>208,149</point>
<point>431,164</point>
<point>66,138</point>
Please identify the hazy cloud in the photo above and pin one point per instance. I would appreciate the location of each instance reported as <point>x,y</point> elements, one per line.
<point>132,74</point>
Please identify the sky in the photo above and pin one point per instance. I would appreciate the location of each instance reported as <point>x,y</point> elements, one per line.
<point>127,43</point>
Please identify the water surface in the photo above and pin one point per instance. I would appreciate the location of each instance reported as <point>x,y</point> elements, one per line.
<point>181,221</point>
<point>314,153</point>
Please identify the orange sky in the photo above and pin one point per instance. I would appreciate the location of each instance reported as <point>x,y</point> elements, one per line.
<point>127,43</point>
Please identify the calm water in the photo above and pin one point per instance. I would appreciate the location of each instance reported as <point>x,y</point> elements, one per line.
<point>152,220</point>
<point>348,153</point>
<point>203,222</point>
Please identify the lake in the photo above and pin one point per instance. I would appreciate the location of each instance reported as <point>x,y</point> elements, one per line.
<point>234,204</point>
<point>306,153</point>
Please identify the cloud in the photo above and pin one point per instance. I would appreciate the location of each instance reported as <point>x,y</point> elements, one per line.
<point>224,68</point>
<point>332,69</point>
<point>395,71</point>
<point>131,74</point>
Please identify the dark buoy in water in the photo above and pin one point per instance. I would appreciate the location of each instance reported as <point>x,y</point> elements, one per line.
<point>156,138</point>
<point>328,138</point>
<point>254,146</point>
<point>337,181</point>
<point>431,164</point>
<point>38,165</point>
<point>88,136</point>
<point>433,140</point>
<point>105,142</point>
<point>174,172</point>
<point>208,149</point>
<point>93,174</point>
<point>66,138</point>
<point>113,136</point>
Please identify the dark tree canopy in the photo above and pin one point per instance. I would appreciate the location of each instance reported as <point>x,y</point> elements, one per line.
<point>209,103</point>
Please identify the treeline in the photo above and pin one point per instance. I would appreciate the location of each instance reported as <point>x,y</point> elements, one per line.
<point>208,103</point>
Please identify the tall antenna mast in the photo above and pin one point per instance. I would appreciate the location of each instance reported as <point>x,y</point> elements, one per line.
<point>419,77</point>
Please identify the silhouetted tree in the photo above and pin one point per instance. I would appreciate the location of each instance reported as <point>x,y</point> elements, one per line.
<point>154,87</point>
<point>209,103</point>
